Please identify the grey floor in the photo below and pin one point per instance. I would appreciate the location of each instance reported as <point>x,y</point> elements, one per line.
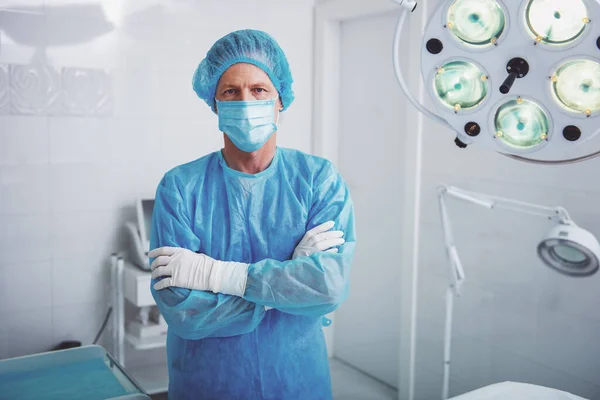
<point>348,384</point>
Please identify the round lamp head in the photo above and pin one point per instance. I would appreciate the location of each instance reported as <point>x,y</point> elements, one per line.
<point>521,124</point>
<point>557,22</point>
<point>576,85</point>
<point>476,22</point>
<point>461,85</point>
<point>570,250</point>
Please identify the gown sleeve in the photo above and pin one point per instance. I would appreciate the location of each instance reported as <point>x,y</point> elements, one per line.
<point>313,285</point>
<point>193,314</point>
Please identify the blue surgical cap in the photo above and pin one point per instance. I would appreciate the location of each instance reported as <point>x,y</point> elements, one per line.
<point>245,46</point>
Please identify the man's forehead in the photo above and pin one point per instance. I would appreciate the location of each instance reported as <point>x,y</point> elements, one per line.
<point>243,73</point>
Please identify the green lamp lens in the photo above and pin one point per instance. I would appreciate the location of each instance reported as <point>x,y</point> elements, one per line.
<point>521,124</point>
<point>476,22</point>
<point>461,85</point>
<point>577,86</point>
<point>569,254</point>
<point>556,22</point>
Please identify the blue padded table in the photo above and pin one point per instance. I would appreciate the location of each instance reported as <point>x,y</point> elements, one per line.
<point>88,373</point>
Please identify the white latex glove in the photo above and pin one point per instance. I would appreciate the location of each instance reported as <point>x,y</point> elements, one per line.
<point>185,269</point>
<point>319,238</point>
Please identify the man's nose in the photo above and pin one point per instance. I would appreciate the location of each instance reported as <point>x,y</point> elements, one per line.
<point>246,95</point>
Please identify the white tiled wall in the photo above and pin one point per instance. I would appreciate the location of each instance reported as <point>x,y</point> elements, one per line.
<point>517,319</point>
<point>95,105</point>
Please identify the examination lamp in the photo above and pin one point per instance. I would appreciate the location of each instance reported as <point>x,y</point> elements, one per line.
<point>567,249</point>
<point>516,76</point>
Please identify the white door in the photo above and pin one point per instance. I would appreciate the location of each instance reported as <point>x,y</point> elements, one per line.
<point>371,159</point>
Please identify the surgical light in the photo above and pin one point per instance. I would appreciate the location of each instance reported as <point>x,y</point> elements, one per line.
<point>567,249</point>
<point>516,76</point>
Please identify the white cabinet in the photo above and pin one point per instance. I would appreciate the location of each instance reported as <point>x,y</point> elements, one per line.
<point>132,284</point>
<point>136,286</point>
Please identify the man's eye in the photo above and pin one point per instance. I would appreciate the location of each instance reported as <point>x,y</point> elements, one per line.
<point>229,91</point>
<point>259,90</point>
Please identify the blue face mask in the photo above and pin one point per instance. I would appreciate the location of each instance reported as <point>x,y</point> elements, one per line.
<point>249,124</point>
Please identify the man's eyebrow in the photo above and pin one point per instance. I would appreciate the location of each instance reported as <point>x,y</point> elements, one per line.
<point>226,84</point>
<point>230,84</point>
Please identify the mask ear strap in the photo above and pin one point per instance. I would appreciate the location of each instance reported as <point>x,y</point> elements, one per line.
<point>278,111</point>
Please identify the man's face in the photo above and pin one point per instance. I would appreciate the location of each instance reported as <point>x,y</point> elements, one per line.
<point>246,82</point>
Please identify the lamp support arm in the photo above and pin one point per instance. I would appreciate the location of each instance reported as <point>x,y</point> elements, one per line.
<point>558,214</point>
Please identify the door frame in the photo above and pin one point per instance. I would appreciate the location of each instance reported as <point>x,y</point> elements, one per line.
<point>329,17</point>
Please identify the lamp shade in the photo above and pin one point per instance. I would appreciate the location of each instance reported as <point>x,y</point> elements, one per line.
<point>570,250</point>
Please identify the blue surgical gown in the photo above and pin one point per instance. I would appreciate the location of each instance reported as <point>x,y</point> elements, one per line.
<point>228,347</point>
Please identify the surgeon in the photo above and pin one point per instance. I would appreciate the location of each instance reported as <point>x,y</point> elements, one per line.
<point>252,244</point>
